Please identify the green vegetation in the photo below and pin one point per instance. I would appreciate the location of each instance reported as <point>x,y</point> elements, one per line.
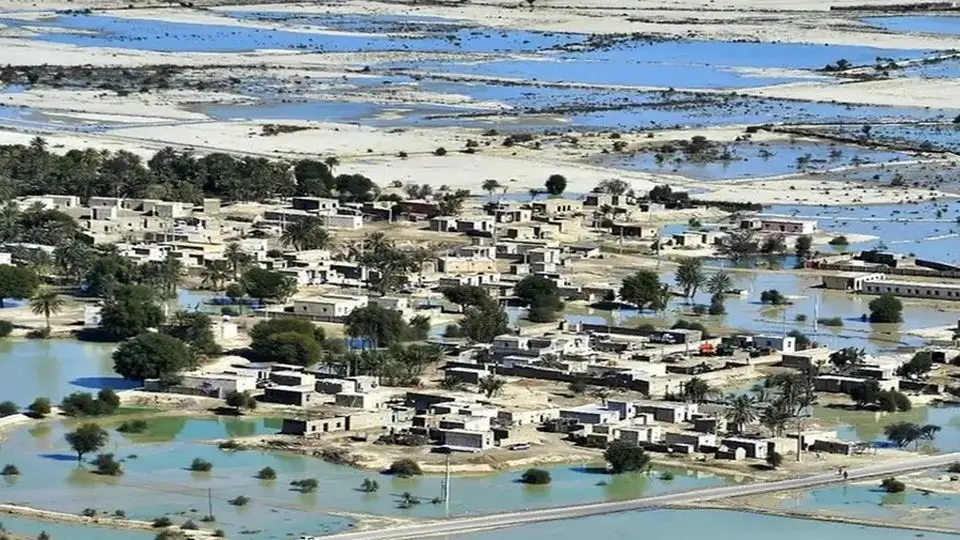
<point>623,457</point>
<point>556,184</point>
<point>6,328</point>
<point>491,385</point>
<point>40,407</point>
<point>904,433</point>
<point>81,404</point>
<point>130,310</point>
<point>774,459</point>
<point>404,468</point>
<point>542,296</point>
<point>266,473</point>
<point>16,282</point>
<point>886,309</point>
<point>189,525</point>
<point>954,468</point>
<point>306,485</point>
<point>132,426</point>
<point>196,330</point>
<point>892,485</point>
<point>369,486</point>
<point>289,341</point>
<point>667,476</point>
<point>87,438</point>
<point>152,356</point>
<point>200,465</point>
<point>162,521</point>
<point>107,465</point>
<point>919,365</point>
<point>803,246</point>
<point>8,408</point>
<point>45,301</point>
<point>240,400</point>
<point>831,321</point>
<point>266,285</point>
<point>773,296</point>
<point>690,276</point>
<point>535,477</point>
<point>239,500</point>
<point>839,241</point>
<point>644,290</point>
<point>306,234</point>
<point>10,470</point>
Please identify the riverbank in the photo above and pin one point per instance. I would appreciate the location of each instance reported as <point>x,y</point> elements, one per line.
<point>99,521</point>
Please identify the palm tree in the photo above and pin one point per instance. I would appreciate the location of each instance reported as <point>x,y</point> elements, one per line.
<point>696,390</point>
<point>46,302</point>
<point>237,258</point>
<point>741,411</point>
<point>775,416</point>
<point>690,276</point>
<point>376,241</point>
<point>928,432</point>
<point>719,283</point>
<point>332,163</point>
<point>491,385</point>
<point>490,186</point>
<point>306,234</point>
<point>10,227</point>
<point>216,274</point>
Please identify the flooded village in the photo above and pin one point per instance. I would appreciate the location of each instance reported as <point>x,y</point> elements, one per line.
<point>350,269</point>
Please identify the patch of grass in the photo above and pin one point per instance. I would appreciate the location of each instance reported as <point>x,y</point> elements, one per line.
<point>239,500</point>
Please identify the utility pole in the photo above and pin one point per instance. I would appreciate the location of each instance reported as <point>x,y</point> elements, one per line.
<point>210,502</point>
<point>445,486</point>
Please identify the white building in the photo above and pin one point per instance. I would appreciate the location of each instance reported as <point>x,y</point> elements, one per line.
<point>913,289</point>
<point>788,226</point>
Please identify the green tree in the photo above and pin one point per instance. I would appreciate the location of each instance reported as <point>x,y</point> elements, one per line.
<point>86,438</point>
<point>542,295</point>
<point>803,246</point>
<point>644,289</point>
<point>378,325</point>
<point>848,358</point>
<point>215,274</point>
<point>623,457</point>
<point>484,321</point>
<point>240,400</point>
<point>491,385</point>
<point>537,477</point>
<point>774,459</point>
<point>920,364</point>
<point>8,408</point>
<point>237,258</point>
<point>696,390</point>
<point>902,433</point>
<point>16,282</point>
<point>40,407</point>
<point>150,356</point>
<point>369,486</point>
<point>491,186</point>
<point>773,296</point>
<point>741,411</point>
<point>719,283</point>
<point>306,234</point>
<point>46,302</point>
<point>196,330</point>
<point>404,468</point>
<point>108,466</point>
<point>865,393</point>
<point>129,311</point>
<point>690,276</point>
<point>556,184</point>
<point>266,473</point>
<point>886,309</point>
<point>268,285</point>
<point>892,485</point>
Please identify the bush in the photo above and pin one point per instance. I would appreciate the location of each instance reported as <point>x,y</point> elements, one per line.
<point>800,317</point>
<point>10,470</point>
<point>886,309</point>
<point>830,321</point>
<point>89,512</point>
<point>107,465</point>
<point>132,426</point>
<point>219,533</point>
<point>189,525</point>
<point>6,327</point>
<point>229,445</point>
<point>306,485</point>
<point>623,457</point>
<point>667,476</point>
<point>119,514</point>
<point>535,477</point>
<point>404,468</point>
<point>200,465</point>
<point>162,521</point>
<point>892,485</point>
<point>773,296</point>
<point>839,241</point>
<point>774,459</point>
<point>230,311</point>
<point>369,486</point>
<point>954,467</point>
<point>266,473</point>
<point>84,404</point>
<point>8,408</point>
<point>441,151</point>
<point>40,407</point>
<point>239,500</point>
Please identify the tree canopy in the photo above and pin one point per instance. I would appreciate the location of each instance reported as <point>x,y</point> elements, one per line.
<point>379,326</point>
<point>268,285</point>
<point>151,355</point>
<point>16,282</point>
<point>130,310</point>
<point>644,289</point>
<point>556,184</point>
<point>86,438</point>
<point>623,457</point>
<point>196,330</point>
<point>886,309</point>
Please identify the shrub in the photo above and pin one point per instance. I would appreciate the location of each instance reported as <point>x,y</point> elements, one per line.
<point>219,533</point>
<point>369,486</point>
<point>306,485</point>
<point>201,465</point>
<point>107,465</point>
<point>119,514</point>
<point>10,470</point>
<point>774,459</point>
<point>667,476</point>
<point>892,485</point>
<point>954,467</point>
<point>162,521</point>
<point>839,241</point>
<point>89,512</point>
<point>536,477</point>
<point>441,151</point>
<point>8,408</point>
<point>623,457</point>
<point>830,321</point>
<point>189,525</point>
<point>40,407</point>
<point>229,445</point>
<point>266,473</point>
<point>239,500</point>
<point>773,296</point>
<point>404,468</point>
<point>132,426</point>
<point>6,327</point>
<point>800,317</point>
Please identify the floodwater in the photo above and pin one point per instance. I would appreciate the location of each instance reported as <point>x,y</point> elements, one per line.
<point>748,160</point>
<point>868,425</point>
<point>870,502</point>
<point>940,24</point>
<point>51,479</point>
<point>665,524</point>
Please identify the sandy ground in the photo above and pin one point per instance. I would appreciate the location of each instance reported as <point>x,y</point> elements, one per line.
<point>902,92</point>
<point>102,521</point>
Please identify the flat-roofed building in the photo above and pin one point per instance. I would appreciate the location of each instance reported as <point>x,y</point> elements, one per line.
<point>913,289</point>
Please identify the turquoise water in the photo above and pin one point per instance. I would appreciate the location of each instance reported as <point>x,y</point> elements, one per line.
<point>870,502</point>
<point>668,524</point>
<point>757,160</point>
<point>65,531</point>
<point>55,368</point>
<point>156,481</point>
<point>928,24</point>
<point>868,426</point>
